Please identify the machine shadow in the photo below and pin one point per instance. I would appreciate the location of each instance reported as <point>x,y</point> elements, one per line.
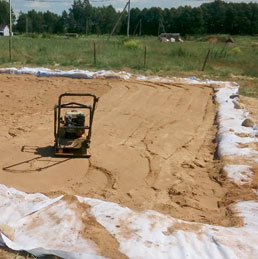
<point>47,151</point>
<point>45,157</point>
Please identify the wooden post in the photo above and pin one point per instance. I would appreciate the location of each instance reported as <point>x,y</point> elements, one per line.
<point>10,32</point>
<point>140,30</point>
<point>206,59</point>
<point>94,53</point>
<point>27,25</point>
<point>139,24</point>
<point>145,56</point>
<point>134,33</point>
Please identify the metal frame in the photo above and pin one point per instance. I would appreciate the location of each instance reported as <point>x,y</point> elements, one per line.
<point>57,121</point>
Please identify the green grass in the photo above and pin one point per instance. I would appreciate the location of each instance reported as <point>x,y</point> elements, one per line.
<point>164,59</point>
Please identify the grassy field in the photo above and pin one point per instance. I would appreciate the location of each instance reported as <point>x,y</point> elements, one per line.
<point>238,61</point>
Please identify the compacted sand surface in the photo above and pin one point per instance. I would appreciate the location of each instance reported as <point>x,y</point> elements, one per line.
<point>153,146</point>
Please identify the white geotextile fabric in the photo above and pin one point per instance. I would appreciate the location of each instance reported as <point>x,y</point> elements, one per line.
<point>40,225</point>
<point>230,120</point>
<point>76,73</point>
<point>240,174</point>
<point>231,134</point>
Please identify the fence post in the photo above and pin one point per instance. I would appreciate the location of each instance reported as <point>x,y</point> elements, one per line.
<point>10,31</point>
<point>94,53</point>
<point>206,59</point>
<point>145,56</point>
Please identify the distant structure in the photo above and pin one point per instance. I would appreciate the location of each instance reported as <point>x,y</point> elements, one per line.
<point>213,40</point>
<point>230,40</point>
<point>170,37</point>
<point>4,30</point>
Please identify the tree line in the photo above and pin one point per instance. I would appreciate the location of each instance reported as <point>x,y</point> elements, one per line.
<point>83,18</point>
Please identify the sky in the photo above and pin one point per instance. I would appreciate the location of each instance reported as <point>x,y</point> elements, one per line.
<point>57,6</point>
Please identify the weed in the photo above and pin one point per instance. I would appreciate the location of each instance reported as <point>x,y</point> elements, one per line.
<point>236,51</point>
<point>133,44</point>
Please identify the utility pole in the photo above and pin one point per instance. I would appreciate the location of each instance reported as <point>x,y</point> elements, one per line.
<point>128,21</point>
<point>10,32</point>
<point>114,28</point>
<point>27,25</point>
<point>87,27</point>
<point>87,19</point>
<point>139,24</point>
<point>140,31</point>
<point>162,26</point>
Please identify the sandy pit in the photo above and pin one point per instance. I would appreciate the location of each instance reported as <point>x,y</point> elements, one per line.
<point>153,146</point>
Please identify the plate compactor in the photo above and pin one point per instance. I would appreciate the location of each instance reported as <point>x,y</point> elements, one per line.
<point>72,130</point>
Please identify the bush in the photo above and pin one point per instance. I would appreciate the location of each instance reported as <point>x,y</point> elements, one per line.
<point>236,51</point>
<point>133,44</point>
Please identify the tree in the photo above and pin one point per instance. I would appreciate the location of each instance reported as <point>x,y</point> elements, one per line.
<point>5,13</point>
<point>50,21</point>
<point>36,21</point>
<point>62,23</point>
<point>135,19</point>
<point>151,20</point>
<point>21,22</point>
<point>215,17</point>
<point>254,19</point>
<point>79,15</point>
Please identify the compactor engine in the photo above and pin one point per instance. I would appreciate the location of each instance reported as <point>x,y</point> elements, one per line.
<point>73,119</point>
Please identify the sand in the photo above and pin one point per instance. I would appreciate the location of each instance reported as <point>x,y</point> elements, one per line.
<point>153,146</point>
